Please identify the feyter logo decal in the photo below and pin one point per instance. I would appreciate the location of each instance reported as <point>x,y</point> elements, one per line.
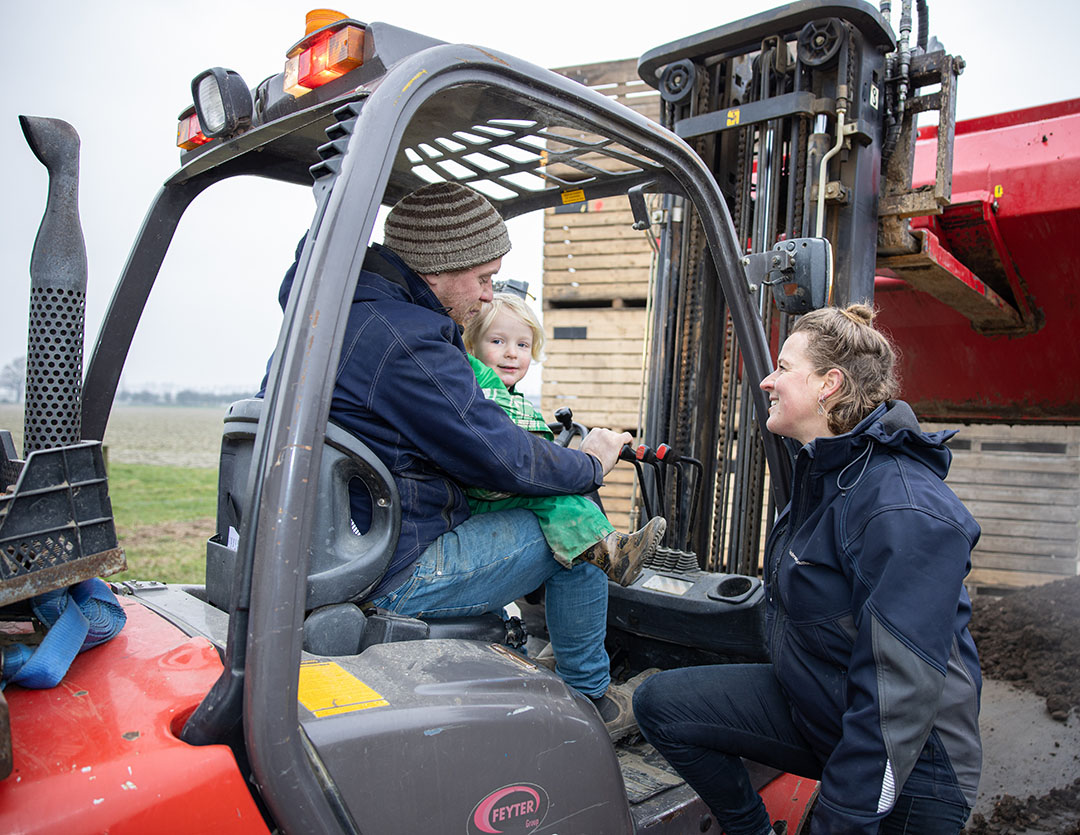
<point>511,810</point>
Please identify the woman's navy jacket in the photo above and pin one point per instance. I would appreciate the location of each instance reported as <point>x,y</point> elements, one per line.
<point>867,620</point>
<point>405,388</point>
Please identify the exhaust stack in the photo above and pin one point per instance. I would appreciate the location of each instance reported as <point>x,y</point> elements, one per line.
<point>54,351</point>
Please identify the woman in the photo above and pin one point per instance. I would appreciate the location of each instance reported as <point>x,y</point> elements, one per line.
<point>874,682</point>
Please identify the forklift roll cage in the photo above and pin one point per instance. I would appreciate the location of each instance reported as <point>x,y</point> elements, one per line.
<point>354,144</point>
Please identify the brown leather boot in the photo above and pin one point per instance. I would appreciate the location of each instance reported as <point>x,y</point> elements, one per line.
<point>616,706</point>
<point>616,710</point>
<point>620,555</point>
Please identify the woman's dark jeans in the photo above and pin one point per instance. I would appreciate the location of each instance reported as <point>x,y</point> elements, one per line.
<point>915,815</point>
<point>705,719</point>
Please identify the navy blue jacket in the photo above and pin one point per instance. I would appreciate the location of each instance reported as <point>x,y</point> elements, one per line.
<point>867,620</point>
<point>405,388</point>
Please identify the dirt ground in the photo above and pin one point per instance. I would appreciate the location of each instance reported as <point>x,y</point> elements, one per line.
<point>1031,639</point>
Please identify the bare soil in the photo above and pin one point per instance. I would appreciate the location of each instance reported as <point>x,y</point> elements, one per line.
<point>169,552</point>
<point>1031,638</point>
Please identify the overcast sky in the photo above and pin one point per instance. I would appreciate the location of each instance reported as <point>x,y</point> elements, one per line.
<point>120,72</point>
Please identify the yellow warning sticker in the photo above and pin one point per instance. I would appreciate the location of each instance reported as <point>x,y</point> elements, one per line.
<point>999,190</point>
<point>733,117</point>
<point>327,689</point>
<point>575,196</point>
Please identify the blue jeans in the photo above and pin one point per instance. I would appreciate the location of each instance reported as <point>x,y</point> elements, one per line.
<point>491,560</point>
<point>705,719</point>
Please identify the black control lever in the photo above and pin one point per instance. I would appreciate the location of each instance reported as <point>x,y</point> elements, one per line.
<point>566,428</point>
<point>565,417</point>
<point>666,455</point>
<point>643,454</point>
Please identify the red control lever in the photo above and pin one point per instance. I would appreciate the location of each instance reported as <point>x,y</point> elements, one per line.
<point>645,454</point>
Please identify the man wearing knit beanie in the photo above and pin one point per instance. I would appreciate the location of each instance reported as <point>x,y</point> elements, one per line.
<point>453,238</point>
<point>444,227</point>
<point>405,388</point>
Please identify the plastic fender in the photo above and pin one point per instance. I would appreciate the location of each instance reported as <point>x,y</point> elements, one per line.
<point>98,752</point>
<point>788,798</point>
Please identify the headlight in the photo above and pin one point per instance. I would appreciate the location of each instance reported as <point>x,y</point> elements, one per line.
<point>222,102</point>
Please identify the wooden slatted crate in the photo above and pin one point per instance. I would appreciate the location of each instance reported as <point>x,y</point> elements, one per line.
<point>616,497</point>
<point>593,365</point>
<point>618,80</point>
<point>592,257</point>
<point>596,282</point>
<point>1022,485</point>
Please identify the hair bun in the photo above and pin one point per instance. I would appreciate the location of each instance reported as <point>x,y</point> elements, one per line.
<point>859,313</point>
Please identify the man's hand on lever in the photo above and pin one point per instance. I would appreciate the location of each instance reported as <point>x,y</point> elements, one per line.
<point>605,446</point>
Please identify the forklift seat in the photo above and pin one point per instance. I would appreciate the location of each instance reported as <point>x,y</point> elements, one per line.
<point>343,564</point>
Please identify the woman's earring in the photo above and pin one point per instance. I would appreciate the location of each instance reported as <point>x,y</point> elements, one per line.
<point>821,405</point>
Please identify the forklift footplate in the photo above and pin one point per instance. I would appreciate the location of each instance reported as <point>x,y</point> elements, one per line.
<point>645,772</point>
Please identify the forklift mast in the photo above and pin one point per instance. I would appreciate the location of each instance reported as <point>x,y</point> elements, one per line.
<point>798,112</point>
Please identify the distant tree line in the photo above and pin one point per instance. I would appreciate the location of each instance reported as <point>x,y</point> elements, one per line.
<point>13,386</point>
<point>13,381</point>
<point>184,397</point>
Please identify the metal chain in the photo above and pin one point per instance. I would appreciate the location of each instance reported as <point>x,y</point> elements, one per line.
<point>723,445</point>
<point>802,137</point>
<point>851,63</point>
<point>691,313</point>
<point>755,488</point>
<point>729,398</point>
<point>740,170</point>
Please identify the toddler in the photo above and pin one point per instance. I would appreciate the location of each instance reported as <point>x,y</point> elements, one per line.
<point>502,341</point>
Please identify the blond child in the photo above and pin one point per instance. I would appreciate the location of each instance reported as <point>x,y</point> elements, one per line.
<point>502,341</point>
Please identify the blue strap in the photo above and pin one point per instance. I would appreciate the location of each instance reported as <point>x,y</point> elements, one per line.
<point>95,618</point>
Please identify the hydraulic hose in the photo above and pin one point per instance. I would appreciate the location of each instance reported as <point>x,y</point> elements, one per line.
<point>901,59</point>
<point>905,59</point>
<point>841,112</point>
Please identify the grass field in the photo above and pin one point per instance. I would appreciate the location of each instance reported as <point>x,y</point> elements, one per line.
<point>163,517</point>
<point>162,465</point>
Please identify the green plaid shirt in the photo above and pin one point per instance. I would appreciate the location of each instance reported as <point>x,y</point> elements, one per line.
<point>519,409</point>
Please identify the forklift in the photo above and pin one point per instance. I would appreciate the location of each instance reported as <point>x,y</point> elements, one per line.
<point>270,698</point>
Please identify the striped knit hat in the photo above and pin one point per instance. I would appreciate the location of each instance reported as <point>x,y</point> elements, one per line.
<point>443,227</point>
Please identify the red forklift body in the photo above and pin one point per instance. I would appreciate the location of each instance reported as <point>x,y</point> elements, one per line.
<point>99,752</point>
<point>1014,214</point>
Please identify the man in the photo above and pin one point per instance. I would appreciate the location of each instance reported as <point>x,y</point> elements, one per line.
<point>405,387</point>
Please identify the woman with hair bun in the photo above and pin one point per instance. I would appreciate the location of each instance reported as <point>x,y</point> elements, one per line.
<point>874,681</point>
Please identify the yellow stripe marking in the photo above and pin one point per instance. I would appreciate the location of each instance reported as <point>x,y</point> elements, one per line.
<point>327,689</point>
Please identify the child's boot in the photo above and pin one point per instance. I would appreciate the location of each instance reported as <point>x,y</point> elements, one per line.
<point>620,555</point>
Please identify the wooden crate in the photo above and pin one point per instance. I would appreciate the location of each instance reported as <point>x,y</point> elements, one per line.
<point>593,364</point>
<point>616,497</point>
<point>1022,485</point>
<point>592,256</point>
<point>596,282</point>
<point>618,80</point>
